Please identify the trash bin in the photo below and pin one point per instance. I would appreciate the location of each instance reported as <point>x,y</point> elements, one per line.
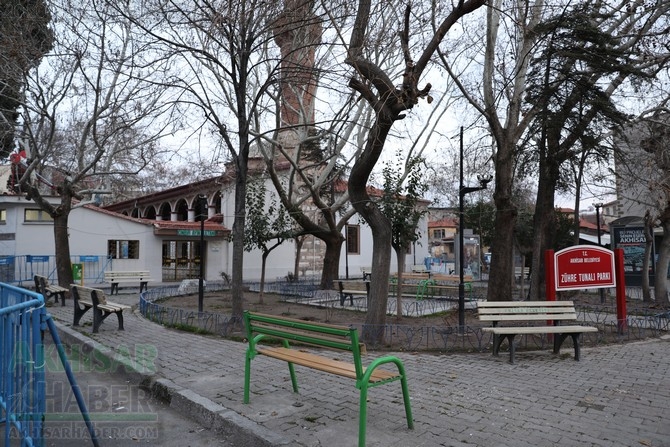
<point>78,273</point>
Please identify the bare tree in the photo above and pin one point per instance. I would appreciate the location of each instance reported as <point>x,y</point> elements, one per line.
<point>225,67</point>
<point>89,111</point>
<point>25,38</point>
<point>390,104</point>
<point>497,95</point>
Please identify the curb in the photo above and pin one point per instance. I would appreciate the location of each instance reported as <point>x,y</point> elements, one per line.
<point>195,407</point>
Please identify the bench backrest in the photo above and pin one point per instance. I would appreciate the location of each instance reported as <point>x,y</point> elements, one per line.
<point>441,277</point>
<point>264,327</point>
<point>41,283</point>
<point>111,275</point>
<point>411,276</point>
<point>498,311</point>
<point>363,286</point>
<point>95,296</point>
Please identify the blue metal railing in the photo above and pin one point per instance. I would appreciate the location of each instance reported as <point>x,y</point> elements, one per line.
<point>20,270</point>
<point>23,320</point>
<point>22,384</point>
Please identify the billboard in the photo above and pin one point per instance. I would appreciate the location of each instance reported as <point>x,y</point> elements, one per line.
<point>632,241</point>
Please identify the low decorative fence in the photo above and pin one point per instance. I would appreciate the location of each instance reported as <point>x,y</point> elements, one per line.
<point>443,338</point>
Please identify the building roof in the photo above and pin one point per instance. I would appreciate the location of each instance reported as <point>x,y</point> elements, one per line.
<point>446,222</point>
<point>588,225</point>
<point>214,223</point>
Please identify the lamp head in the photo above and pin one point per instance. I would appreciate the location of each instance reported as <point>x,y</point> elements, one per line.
<point>484,179</point>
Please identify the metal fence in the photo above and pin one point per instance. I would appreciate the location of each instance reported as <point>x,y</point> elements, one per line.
<point>20,270</point>
<point>442,338</point>
<point>23,400</point>
<point>22,383</point>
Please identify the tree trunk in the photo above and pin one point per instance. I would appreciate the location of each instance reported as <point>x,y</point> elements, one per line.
<point>502,267</point>
<point>331,260</point>
<point>298,252</point>
<point>543,226</point>
<point>661,283</point>
<point>648,244</point>
<point>264,259</point>
<point>62,242</point>
<point>400,256</point>
<point>237,292</point>
<point>375,320</point>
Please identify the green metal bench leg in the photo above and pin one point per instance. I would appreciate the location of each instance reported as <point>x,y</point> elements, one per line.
<point>291,369</point>
<point>363,415</point>
<point>363,410</point>
<point>408,406</point>
<point>294,381</point>
<point>247,376</point>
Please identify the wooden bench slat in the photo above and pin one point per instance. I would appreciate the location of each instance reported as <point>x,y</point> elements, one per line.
<point>325,364</point>
<point>540,329</point>
<point>531,317</point>
<point>520,312</point>
<point>525,310</point>
<point>117,277</point>
<point>508,304</point>
<point>113,308</point>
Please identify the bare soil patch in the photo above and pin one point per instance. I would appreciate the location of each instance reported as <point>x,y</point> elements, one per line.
<point>221,303</point>
<point>270,303</point>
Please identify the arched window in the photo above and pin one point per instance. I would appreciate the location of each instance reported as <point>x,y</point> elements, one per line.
<point>150,212</point>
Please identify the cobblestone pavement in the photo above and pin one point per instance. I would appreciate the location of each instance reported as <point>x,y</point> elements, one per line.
<point>617,395</point>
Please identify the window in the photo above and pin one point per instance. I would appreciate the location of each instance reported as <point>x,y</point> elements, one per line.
<point>353,239</point>
<point>36,215</point>
<point>3,216</point>
<point>123,249</point>
<point>439,233</point>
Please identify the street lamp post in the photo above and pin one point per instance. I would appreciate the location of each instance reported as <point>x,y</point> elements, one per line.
<point>462,191</point>
<point>598,206</point>
<point>201,288</point>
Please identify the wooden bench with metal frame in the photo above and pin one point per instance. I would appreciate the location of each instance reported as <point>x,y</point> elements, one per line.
<point>440,282</point>
<point>522,314</point>
<point>351,288</point>
<point>49,290</point>
<point>366,271</point>
<point>86,298</point>
<point>114,278</point>
<point>289,332</point>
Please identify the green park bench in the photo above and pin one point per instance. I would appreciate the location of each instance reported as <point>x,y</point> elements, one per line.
<point>291,332</point>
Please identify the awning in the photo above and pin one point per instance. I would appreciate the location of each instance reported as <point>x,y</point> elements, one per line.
<point>604,238</point>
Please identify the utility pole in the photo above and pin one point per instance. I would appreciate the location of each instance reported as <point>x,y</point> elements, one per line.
<point>598,206</point>
<point>462,191</point>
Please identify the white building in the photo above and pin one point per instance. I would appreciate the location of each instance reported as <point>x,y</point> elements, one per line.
<point>161,233</point>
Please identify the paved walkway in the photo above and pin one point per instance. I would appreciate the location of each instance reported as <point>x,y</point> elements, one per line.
<point>617,395</point>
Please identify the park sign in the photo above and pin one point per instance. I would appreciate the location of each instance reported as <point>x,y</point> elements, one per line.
<point>584,267</point>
